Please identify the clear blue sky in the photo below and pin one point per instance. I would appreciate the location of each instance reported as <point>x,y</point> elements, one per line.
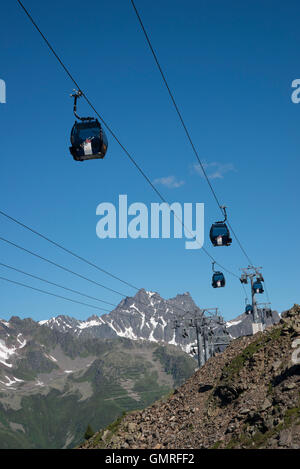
<point>230,65</point>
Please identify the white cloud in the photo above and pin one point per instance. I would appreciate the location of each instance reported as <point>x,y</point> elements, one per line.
<point>169,181</point>
<point>214,170</point>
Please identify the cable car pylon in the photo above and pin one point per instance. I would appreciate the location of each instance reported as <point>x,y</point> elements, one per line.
<point>256,279</point>
<point>211,333</point>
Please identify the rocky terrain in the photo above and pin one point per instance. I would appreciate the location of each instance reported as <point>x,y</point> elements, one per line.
<point>246,397</point>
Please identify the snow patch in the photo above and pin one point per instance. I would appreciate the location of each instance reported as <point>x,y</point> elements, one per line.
<point>150,293</point>
<point>134,307</point>
<point>143,321</point>
<point>164,323</point>
<point>5,353</point>
<point>128,333</point>
<point>173,340</point>
<point>10,382</point>
<point>233,322</point>
<point>5,323</point>
<point>50,357</point>
<point>21,342</point>
<point>92,323</point>
<point>113,328</point>
<point>6,364</point>
<point>153,322</point>
<point>151,338</point>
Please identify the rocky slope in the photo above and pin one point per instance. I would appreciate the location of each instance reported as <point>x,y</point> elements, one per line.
<point>246,397</point>
<point>46,374</point>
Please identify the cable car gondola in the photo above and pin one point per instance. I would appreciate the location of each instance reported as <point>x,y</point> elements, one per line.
<point>219,233</point>
<point>258,286</point>
<point>244,279</point>
<point>218,279</point>
<point>88,139</point>
<point>248,307</point>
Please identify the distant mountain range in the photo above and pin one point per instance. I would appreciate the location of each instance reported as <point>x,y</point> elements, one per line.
<point>100,367</point>
<point>149,317</point>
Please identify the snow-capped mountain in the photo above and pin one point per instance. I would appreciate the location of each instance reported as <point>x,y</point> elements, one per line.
<point>147,316</point>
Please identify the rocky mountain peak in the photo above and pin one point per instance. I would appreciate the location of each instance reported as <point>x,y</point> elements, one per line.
<point>94,317</point>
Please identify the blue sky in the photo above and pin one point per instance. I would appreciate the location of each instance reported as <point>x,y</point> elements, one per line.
<point>230,65</point>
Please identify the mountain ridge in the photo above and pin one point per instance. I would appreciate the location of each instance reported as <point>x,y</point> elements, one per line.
<point>147,316</point>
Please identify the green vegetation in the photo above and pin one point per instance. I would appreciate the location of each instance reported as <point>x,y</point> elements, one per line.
<point>216,445</point>
<point>115,425</point>
<point>88,433</point>
<point>111,429</point>
<point>237,364</point>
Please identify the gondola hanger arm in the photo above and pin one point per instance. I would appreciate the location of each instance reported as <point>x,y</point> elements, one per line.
<point>77,94</point>
<point>223,207</point>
